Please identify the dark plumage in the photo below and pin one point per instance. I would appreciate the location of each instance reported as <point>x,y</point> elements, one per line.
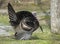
<point>23,22</point>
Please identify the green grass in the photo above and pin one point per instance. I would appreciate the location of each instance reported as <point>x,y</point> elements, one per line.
<point>26,42</point>
<point>4,19</point>
<point>38,37</point>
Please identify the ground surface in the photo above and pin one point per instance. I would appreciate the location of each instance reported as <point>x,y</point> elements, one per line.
<point>38,37</point>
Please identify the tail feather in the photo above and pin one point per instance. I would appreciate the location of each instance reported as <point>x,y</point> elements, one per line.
<point>41,28</point>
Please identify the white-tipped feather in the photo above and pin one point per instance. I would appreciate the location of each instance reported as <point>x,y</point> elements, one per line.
<point>25,26</point>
